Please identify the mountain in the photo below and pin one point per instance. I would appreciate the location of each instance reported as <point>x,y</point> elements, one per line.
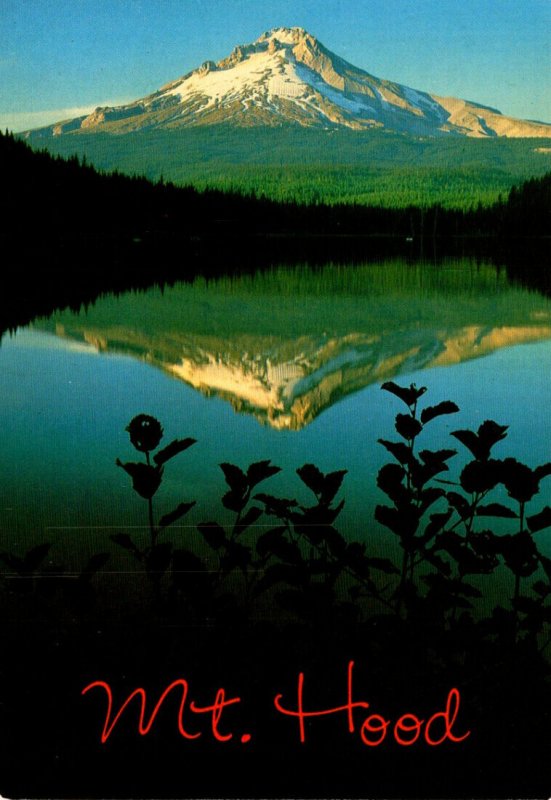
<point>287,77</point>
<point>288,367</point>
<point>286,384</point>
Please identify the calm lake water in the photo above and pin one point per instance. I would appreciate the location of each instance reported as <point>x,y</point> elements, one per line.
<point>286,365</point>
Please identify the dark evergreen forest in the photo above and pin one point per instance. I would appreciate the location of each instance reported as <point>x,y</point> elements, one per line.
<point>61,197</point>
<point>73,232</point>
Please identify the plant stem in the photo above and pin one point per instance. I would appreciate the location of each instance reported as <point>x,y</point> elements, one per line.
<point>152,530</point>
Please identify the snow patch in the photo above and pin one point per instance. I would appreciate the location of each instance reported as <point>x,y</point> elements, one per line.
<point>355,106</point>
<point>418,100</point>
<point>263,76</point>
<point>280,87</point>
<point>227,84</point>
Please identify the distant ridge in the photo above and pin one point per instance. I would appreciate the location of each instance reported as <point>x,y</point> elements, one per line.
<point>288,78</point>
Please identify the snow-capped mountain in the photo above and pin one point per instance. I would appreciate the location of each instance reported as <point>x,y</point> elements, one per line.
<point>288,77</point>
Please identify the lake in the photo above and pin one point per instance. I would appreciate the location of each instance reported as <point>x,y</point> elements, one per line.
<point>284,365</point>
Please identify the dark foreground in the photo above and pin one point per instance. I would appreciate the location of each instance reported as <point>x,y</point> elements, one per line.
<point>280,660</point>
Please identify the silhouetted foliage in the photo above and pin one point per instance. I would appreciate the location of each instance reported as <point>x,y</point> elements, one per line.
<point>304,562</point>
<point>281,589</point>
<point>145,434</point>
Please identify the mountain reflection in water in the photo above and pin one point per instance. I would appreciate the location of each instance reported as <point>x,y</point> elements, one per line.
<point>287,344</point>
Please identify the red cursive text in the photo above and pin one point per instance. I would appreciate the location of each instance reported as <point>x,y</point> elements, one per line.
<point>375,728</point>
<point>215,710</point>
<point>372,728</point>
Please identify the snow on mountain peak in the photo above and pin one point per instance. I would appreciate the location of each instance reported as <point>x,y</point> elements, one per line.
<point>284,35</point>
<point>287,77</point>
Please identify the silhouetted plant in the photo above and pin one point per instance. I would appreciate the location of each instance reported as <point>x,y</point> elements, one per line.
<point>473,552</point>
<point>406,484</point>
<point>76,590</point>
<point>480,550</point>
<point>25,570</point>
<point>307,549</point>
<point>233,553</point>
<point>311,556</point>
<point>305,563</point>
<point>450,544</point>
<point>145,434</point>
<point>31,576</point>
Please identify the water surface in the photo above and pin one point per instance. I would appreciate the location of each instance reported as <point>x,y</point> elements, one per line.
<point>285,365</point>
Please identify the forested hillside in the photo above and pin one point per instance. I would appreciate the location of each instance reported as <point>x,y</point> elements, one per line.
<point>307,166</point>
<point>68,197</point>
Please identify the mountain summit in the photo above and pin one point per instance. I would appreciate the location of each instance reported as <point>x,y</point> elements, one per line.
<point>287,77</point>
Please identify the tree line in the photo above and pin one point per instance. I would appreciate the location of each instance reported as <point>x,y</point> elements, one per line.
<point>55,197</point>
<point>306,165</point>
<point>73,232</point>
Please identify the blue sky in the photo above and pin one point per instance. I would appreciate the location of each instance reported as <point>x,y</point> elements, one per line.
<point>59,58</point>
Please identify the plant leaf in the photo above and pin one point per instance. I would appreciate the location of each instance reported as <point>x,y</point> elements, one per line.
<point>214,534</point>
<point>408,395</point>
<point>480,476</point>
<point>312,477</point>
<point>495,510</point>
<point>470,440</point>
<point>285,551</point>
<point>178,512</point>
<point>259,471</point>
<point>399,450</point>
<point>95,563</point>
<point>458,502</point>
<point>436,457</point>
<point>445,407</point>
<point>331,485</point>
<point>279,573</point>
<point>146,479</point>
<point>158,558</point>
<point>235,501</point>
<point>407,426</point>
<point>543,471</point>
<point>34,557</point>
<point>235,478</point>
<point>541,588</point>
<point>383,565</point>
<point>537,522</point>
<point>13,562</point>
<point>190,575</point>
<point>546,564</point>
<point>248,519</point>
<point>520,481</point>
<point>172,449</point>
<point>490,433</point>
<point>390,480</point>
<point>276,506</point>
<point>236,555</point>
<point>266,541</point>
<point>437,522</point>
<point>124,540</point>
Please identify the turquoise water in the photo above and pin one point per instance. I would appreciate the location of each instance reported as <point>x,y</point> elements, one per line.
<point>287,368</point>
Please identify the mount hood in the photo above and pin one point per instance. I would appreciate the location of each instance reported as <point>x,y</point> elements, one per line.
<point>287,77</point>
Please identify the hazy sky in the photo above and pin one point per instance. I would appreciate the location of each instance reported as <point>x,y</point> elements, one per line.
<point>59,58</point>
